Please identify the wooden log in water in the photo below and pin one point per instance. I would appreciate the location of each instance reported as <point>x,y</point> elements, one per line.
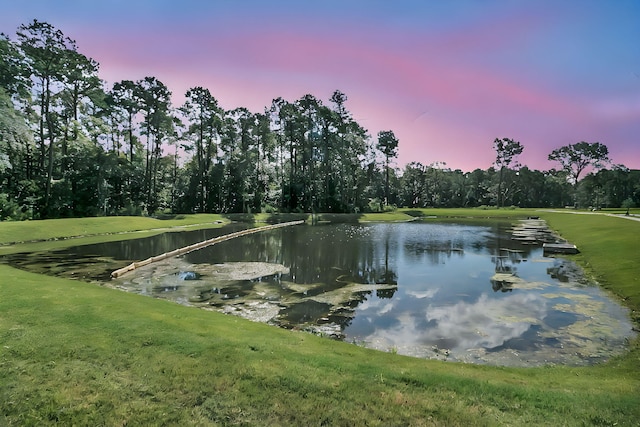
<point>200,245</point>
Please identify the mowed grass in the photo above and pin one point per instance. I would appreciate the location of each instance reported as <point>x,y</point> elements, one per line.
<point>27,231</point>
<point>610,251</point>
<point>72,353</point>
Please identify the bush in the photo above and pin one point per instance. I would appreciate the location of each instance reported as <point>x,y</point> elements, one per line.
<point>628,203</point>
<point>130,210</point>
<point>8,208</point>
<point>270,209</point>
<point>374,205</point>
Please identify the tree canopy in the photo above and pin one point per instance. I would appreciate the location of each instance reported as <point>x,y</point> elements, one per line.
<point>72,146</point>
<point>506,152</point>
<point>575,158</point>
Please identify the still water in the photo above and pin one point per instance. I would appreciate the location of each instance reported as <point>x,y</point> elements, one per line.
<point>463,292</point>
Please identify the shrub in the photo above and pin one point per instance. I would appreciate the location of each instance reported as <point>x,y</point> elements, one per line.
<point>8,208</point>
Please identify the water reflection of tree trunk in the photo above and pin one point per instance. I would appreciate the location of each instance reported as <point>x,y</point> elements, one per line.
<point>389,276</point>
<point>499,261</point>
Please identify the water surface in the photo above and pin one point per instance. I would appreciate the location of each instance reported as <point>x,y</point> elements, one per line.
<point>464,292</point>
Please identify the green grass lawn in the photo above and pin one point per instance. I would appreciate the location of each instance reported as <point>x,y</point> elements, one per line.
<point>11,232</point>
<point>73,353</point>
<point>610,251</point>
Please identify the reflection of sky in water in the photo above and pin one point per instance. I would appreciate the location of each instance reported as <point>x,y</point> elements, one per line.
<point>445,297</point>
<point>487,322</point>
<point>437,280</point>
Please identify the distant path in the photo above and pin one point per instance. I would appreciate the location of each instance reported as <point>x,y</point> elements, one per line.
<point>199,245</point>
<point>631,217</point>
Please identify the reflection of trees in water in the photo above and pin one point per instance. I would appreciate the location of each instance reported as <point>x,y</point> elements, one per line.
<point>564,271</point>
<point>501,285</point>
<point>505,256</point>
<point>352,251</point>
<point>505,265</point>
<point>439,245</point>
<point>354,255</point>
<point>436,252</point>
<point>501,267</point>
<point>97,261</point>
<point>386,293</point>
<point>388,276</point>
<point>332,256</point>
<point>558,272</point>
<point>139,249</point>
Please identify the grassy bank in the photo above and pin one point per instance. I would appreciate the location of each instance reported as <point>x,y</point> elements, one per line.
<point>29,231</point>
<point>610,251</point>
<point>75,353</point>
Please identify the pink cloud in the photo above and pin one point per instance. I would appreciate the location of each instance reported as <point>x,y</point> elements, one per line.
<point>468,100</point>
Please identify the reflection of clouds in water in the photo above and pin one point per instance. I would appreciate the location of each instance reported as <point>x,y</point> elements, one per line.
<point>386,308</point>
<point>378,306</point>
<point>424,294</point>
<point>486,323</point>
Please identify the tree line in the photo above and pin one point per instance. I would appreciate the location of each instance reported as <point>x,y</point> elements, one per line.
<point>70,146</point>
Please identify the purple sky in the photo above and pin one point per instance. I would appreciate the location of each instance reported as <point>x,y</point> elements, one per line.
<point>447,77</point>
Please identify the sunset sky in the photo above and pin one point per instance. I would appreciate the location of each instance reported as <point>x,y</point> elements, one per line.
<point>447,77</point>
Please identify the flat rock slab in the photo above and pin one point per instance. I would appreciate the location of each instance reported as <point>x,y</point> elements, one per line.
<point>560,248</point>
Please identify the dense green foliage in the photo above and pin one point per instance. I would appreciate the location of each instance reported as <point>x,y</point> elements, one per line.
<point>75,353</point>
<point>70,147</point>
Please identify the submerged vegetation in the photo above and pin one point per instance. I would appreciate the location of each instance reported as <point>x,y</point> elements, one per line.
<point>76,353</point>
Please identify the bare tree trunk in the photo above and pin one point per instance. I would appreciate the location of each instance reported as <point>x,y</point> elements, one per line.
<point>47,197</point>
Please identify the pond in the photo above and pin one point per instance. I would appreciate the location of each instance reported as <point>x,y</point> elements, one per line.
<point>452,291</point>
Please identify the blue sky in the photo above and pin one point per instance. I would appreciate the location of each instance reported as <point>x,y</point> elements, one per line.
<point>446,77</point>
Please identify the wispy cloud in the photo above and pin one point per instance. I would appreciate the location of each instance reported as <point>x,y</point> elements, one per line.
<point>446,79</point>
